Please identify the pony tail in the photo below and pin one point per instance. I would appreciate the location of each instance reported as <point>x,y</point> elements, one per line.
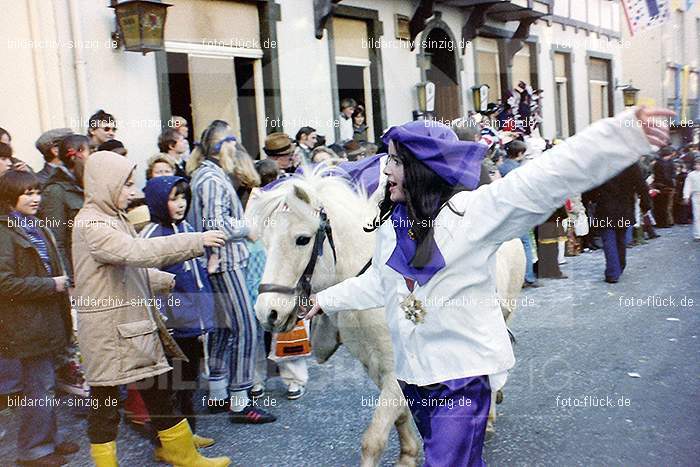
<point>244,167</point>
<point>195,159</point>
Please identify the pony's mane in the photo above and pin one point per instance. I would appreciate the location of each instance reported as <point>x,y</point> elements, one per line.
<point>336,194</point>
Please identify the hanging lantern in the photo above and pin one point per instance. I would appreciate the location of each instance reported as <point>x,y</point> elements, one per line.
<point>629,95</point>
<point>141,24</point>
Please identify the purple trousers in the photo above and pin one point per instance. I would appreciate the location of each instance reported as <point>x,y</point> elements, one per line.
<point>451,417</point>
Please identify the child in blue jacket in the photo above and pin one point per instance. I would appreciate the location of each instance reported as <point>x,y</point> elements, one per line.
<point>189,309</point>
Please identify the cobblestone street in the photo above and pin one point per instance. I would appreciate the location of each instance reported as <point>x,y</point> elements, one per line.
<point>582,345</point>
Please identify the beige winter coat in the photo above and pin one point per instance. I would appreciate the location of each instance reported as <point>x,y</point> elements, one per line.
<point>118,324</point>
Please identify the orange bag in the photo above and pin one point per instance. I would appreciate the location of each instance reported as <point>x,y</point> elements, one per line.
<point>292,344</point>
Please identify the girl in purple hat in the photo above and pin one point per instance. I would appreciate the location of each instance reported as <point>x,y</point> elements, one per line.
<point>435,258</point>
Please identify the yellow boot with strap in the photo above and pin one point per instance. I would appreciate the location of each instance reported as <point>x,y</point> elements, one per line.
<point>178,445</point>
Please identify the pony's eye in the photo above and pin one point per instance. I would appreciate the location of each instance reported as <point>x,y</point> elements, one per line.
<point>302,240</point>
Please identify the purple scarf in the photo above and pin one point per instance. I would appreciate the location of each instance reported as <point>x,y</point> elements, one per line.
<point>400,259</point>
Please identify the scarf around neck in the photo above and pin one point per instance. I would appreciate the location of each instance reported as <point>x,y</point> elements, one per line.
<point>405,250</point>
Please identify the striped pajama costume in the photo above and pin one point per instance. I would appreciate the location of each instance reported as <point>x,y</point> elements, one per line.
<point>232,345</point>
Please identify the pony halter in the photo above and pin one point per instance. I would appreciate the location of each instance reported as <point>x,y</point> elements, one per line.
<point>302,290</point>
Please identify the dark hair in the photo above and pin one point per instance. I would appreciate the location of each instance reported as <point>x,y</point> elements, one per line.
<point>268,170</point>
<point>515,148</point>
<point>5,132</point>
<point>99,117</point>
<point>13,184</point>
<point>111,145</point>
<point>167,137</point>
<point>305,130</point>
<point>5,151</point>
<point>181,187</point>
<point>426,194</point>
<point>359,110</point>
<point>666,151</point>
<point>69,146</point>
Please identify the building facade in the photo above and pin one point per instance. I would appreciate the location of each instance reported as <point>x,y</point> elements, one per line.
<point>664,63</point>
<point>278,65</point>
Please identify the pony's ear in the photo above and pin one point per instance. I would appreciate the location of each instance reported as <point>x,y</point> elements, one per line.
<point>301,194</point>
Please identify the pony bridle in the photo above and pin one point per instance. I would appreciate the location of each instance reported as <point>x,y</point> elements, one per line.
<point>302,291</point>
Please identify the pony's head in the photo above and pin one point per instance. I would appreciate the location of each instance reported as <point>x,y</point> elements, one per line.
<point>290,220</point>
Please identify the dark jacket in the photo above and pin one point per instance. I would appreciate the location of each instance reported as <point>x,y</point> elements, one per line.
<point>359,133</point>
<point>45,173</point>
<point>615,199</point>
<point>34,318</point>
<point>664,174</point>
<point>61,199</point>
<point>190,308</point>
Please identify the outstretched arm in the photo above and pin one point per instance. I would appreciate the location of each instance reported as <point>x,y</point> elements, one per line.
<point>528,195</point>
<point>355,293</point>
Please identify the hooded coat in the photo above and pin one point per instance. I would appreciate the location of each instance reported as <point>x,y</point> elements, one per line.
<point>120,332</point>
<point>190,308</point>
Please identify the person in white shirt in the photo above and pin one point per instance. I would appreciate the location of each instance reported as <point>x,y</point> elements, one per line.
<point>433,267</point>
<point>347,108</point>
<point>691,193</point>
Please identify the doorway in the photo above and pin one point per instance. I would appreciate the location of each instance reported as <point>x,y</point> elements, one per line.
<point>443,72</point>
<point>354,82</point>
<point>206,88</point>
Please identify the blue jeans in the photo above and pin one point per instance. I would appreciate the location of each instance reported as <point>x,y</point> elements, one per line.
<point>529,269</point>
<point>629,235</point>
<point>38,431</point>
<point>615,249</point>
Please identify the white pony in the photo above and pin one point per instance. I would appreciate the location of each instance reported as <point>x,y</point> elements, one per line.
<point>288,219</point>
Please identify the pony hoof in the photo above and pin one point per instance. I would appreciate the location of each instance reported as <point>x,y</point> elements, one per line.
<point>499,396</point>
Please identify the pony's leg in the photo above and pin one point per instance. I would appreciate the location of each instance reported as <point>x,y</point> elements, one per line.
<point>375,437</point>
<point>490,424</point>
<point>407,439</point>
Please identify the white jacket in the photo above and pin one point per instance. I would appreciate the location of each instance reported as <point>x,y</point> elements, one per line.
<point>463,333</point>
<point>692,184</point>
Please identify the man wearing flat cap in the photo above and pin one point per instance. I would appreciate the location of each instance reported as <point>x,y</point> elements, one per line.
<point>47,144</point>
<point>278,147</point>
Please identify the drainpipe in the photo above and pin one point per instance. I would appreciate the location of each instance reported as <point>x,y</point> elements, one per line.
<point>39,72</point>
<point>79,60</point>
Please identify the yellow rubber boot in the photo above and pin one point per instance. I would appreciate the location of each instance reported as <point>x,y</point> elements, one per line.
<point>178,445</point>
<point>105,454</point>
<point>202,441</point>
<point>199,442</point>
